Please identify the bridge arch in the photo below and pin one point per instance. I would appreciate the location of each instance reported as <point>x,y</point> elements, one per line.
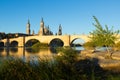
<point>65,39</point>
<point>77,42</point>
<point>56,42</point>
<point>14,43</point>
<point>31,42</point>
<point>2,44</point>
<point>83,37</point>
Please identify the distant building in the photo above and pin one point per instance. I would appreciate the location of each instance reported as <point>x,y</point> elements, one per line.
<point>2,35</point>
<point>60,30</point>
<point>20,34</point>
<point>15,35</point>
<point>12,35</point>
<point>28,28</point>
<point>44,30</point>
<point>41,31</point>
<point>33,33</point>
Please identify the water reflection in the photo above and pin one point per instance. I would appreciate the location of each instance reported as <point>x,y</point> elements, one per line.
<point>28,53</point>
<point>25,53</point>
<point>14,49</point>
<point>1,49</point>
<point>79,48</point>
<point>31,50</point>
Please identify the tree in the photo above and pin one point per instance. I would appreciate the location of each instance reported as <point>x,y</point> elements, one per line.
<point>103,36</point>
<point>89,45</point>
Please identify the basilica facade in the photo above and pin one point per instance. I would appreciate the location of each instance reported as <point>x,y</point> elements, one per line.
<point>43,29</point>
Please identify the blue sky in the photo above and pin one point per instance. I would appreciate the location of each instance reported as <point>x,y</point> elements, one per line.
<point>75,16</point>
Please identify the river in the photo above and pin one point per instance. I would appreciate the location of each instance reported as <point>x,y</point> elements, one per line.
<point>28,54</point>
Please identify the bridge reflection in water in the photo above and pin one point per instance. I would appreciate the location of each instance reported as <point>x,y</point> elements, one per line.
<point>27,53</point>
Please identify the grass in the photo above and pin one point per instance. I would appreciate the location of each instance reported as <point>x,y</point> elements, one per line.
<point>40,45</point>
<point>36,47</point>
<point>63,67</point>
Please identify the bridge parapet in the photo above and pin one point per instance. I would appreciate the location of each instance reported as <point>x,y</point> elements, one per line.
<point>47,39</point>
<point>67,39</point>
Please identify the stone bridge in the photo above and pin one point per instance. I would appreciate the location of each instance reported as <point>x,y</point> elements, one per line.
<point>66,39</point>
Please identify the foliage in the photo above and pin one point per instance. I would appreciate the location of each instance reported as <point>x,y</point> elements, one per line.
<point>89,45</point>
<point>16,69</point>
<point>39,45</point>
<point>67,54</point>
<point>103,36</point>
<point>35,48</point>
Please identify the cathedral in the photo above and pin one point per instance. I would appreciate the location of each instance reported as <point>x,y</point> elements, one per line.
<point>43,29</point>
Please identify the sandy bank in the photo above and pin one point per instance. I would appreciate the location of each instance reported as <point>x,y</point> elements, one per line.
<point>103,60</point>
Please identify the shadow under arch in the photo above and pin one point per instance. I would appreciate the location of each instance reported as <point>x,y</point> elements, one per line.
<point>31,42</point>
<point>56,42</point>
<point>14,44</point>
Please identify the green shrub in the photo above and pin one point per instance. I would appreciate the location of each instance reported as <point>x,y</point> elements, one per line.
<point>16,70</point>
<point>39,45</point>
<point>89,45</point>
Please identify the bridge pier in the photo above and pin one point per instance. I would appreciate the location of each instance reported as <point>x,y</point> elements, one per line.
<point>7,44</point>
<point>21,42</point>
<point>67,40</point>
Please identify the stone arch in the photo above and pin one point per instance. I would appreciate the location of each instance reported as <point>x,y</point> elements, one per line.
<point>14,44</point>
<point>56,42</point>
<point>81,40</point>
<point>2,44</point>
<point>31,42</point>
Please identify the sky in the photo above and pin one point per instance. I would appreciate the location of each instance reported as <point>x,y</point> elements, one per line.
<point>75,16</point>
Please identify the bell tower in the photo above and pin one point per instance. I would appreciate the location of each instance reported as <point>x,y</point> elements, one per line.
<point>60,30</point>
<point>28,28</point>
<point>41,31</point>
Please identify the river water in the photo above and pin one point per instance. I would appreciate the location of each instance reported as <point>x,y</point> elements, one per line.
<point>28,54</point>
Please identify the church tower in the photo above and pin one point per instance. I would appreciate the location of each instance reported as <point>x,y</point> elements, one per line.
<point>33,33</point>
<point>60,30</point>
<point>41,31</point>
<point>28,28</point>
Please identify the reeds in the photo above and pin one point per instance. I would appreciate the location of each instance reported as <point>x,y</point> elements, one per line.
<point>63,67</point>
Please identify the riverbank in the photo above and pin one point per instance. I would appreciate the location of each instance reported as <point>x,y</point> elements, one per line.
<point>112,63</point>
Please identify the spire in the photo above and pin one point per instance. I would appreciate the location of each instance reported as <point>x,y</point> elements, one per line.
<point>28,21</point>
<point>33,33</point>
<point>28,27</point>
<point>60,27</point>
<point>42,19</point>
<point>42,22</point>
<point>60,30</point>
<point>48,27</point>
<point>41,31</point>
